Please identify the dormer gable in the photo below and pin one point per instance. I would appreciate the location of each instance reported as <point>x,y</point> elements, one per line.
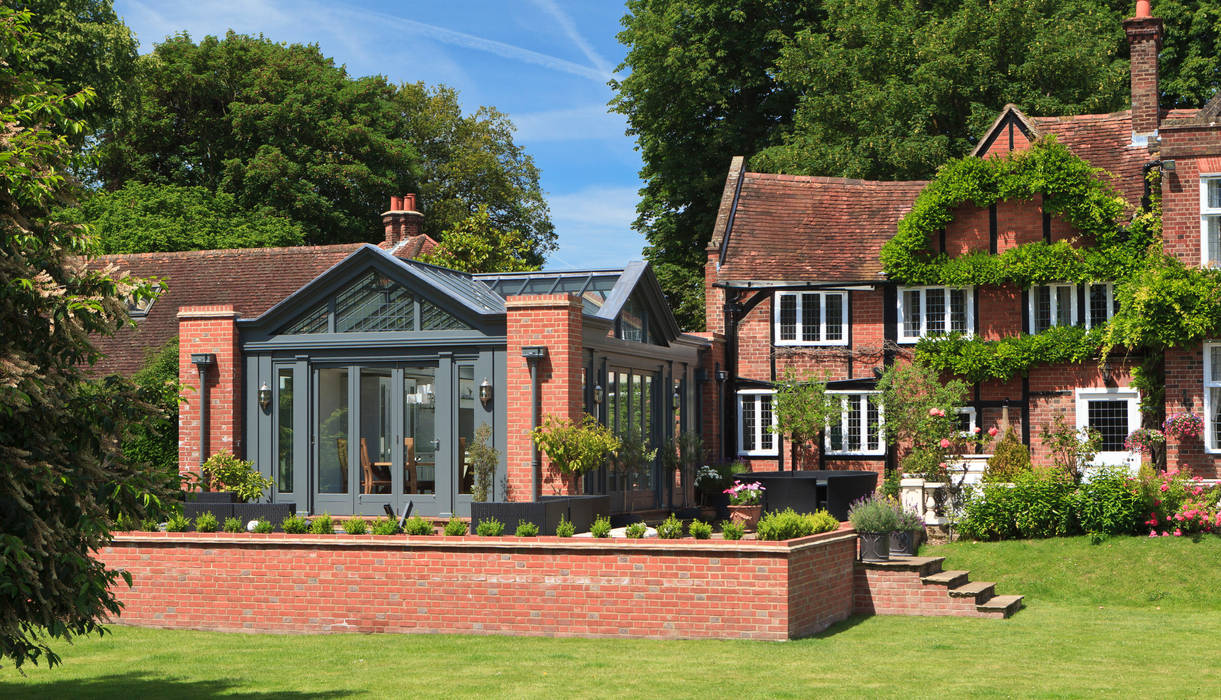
<point>1012,131</point>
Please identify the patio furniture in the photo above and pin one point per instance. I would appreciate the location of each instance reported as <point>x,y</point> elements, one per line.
<point>410,483</point>
<point>341,448</point>
<point>807,491</point>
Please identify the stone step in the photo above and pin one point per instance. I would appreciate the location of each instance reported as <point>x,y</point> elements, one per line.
<point>1006,605</point>
<point>980,591</point>
<point>949,579</point>
<point>926,566</point>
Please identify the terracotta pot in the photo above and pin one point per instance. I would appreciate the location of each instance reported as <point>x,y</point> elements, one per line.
<point>748,516</point>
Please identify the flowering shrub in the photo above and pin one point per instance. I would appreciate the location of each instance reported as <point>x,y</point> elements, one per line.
<point>1181,506</point>
<point>745,494</point>
<point>1183,425</point>
<point>1144,440</point>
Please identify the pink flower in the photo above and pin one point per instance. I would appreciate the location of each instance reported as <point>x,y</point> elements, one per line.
<point>943,465</point>
<point>975,430</point>
<point>1172,471</point>
<point>992,432</point>
<point>1152,533</point>
<point>932,412</point>
<point>1165,487</point>
<point>945,442</point>
<point>1178,532</point>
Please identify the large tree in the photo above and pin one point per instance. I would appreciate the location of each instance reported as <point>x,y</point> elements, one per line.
<point>699,89</point>
<point>862,88</point>
<point>281,126</point>
<point>65,480</point>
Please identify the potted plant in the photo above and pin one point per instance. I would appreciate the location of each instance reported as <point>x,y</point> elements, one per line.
<point>745,503</point>
<point>241,478</point>
<point>1183,426</point>
<point>906,536</point>
<point>874,520</point>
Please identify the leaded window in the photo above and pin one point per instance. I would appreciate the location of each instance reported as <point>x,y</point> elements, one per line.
<point>926,312</point>
<point>811,318</point>
<point>858,430</point>
<point>756,418</point>
<point>1210,221</point>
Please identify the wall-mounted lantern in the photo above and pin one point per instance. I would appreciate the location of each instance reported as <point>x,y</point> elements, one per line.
<point>265,397</point>
<point>485,392</point>
<point>677,395</point>
<point>599,394</point>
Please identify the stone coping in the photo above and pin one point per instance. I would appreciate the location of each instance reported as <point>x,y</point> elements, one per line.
<point>563,544</point>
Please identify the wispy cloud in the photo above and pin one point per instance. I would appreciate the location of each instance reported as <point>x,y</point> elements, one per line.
<point>575,124</point>
<point>595,225</point>
<point>470,41</point>
<point>570,29</point>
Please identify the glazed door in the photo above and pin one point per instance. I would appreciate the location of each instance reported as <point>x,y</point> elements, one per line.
<point>291,433</point>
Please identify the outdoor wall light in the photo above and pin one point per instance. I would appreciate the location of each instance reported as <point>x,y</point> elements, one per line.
<point>485,392</point>
<point>265,397</point>
<point>677,396</point>
<point>599,392</point>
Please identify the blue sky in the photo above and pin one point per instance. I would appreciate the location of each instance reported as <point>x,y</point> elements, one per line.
<point>543,62</point>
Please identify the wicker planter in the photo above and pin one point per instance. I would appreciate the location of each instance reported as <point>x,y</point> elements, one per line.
<point>747,516</point>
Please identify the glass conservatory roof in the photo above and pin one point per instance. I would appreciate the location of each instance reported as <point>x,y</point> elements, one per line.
<point>593,286</point>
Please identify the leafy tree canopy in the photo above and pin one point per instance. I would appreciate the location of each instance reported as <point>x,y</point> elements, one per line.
<point>474,245</point>
<point>281,127</point>
<point>144,218</point>
<point>65,480</point>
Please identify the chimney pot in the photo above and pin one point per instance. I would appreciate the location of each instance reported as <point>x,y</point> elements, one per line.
<point>408,201</point>
<point>1143,9</point>
<point>396,203</point>
<point>402,221</point>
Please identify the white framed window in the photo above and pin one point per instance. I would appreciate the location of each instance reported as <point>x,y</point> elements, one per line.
<point>1210,220</point>
<point>1100,303</point>
<point>1212,398</point>
<point>966,420</point>
<point>926,312</point>
<point>859,429</point>
<point>755,421</point>
<point>1114,413</point>
<point>811,318</point>
<point>1052,305</point>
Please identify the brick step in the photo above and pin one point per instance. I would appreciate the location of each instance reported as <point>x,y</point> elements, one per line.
<point>980,591</point>
<point>949,579</point>
<point>1001,605</point>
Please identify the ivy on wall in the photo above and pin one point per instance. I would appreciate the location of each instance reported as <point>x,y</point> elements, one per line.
<point>979,360</point>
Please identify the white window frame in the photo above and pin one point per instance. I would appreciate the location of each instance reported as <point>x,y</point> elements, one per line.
<point>1121,458</point>
<point>760,429</point>
<point>973,421</point>
<point>904,338</point>
<point>1110,289</point>
<point>822,318</point>
<point>1205,214</point>
<point>1032,301</point>
<point>1210,440</point>
<point>863,396</point>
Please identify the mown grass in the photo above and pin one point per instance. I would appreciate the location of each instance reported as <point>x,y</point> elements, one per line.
<point>1090,629</point>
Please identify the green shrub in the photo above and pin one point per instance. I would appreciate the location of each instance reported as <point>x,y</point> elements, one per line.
<point>926,463</point>
<point>322,525</point>
<point>1039,504</point>
<point>418,526</point>
<point>294,525</point>
<point>1010,459</point>
<point>206,522</point>
<point>1110,503</point>
<point>873,514</point>
<point>700,530</point>
<point>456,527</point>
<point>670,529</point>
<point>565,528</point>
<point>890,485</point>
<point>636,531</point>
<point>525,529</point>
<point>150,525</point>
<point>356,526</point>
<point>732,531</point>
<point>486,528</point>
<point>233,525</point>
<point>787,524</point>
<point>386,526</point>
<point>237,475</point>
<point>264,526</point>
<point>177,523</point>
<point>601,527</point>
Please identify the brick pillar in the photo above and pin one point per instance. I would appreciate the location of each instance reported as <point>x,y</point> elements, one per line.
<point>209,329</point>
<point>1144,41</point>
<point>714,297</point>
<point>553,321</point>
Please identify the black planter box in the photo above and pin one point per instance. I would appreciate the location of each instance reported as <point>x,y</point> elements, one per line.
<point>220,510</point>
<point>584,509</point>
<point>275,513</point>
<point>211,497</point>
<point>546,514</point>
<point>807,491</point>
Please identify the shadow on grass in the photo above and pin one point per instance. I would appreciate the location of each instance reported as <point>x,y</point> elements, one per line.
<point>838,627</point>
<point>134,686</point>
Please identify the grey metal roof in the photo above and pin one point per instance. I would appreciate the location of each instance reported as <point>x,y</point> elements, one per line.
<point>460,285</point>
<point>593,286</point>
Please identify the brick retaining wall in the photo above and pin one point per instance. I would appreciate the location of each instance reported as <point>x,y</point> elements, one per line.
<point>539,586</point>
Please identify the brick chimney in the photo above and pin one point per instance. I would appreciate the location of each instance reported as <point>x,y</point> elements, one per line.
<point>402,221</point>
<point>1144,41</point>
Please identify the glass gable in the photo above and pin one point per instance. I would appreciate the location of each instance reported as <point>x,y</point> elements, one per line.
<point>375,303</point>
<point>592,287</point>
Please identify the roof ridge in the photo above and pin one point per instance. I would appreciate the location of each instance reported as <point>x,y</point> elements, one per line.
<point>190,253</point>
<point>829,180</point>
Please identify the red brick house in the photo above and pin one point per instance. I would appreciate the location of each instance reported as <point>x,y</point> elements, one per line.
<point>794,280</point>
<point>355,377</point>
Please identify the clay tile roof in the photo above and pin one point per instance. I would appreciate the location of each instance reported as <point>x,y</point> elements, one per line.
<point>820,229</point>
<point>250,279</point>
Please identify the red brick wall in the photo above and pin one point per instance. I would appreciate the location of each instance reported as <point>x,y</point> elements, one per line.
<point>552,320</point>
<point>209,329</point>
<point>1144,40</point>
<point>714,297</point>
<point>887,592</point>
<point>1195,151</point>
<point>544,586</point>
<point>1185,394</point>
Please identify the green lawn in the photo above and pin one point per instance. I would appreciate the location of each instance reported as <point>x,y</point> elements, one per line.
<point>1128,617</point>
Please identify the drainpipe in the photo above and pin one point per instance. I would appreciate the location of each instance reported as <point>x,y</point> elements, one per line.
<point>1167,166</point>
<point>534,353</point>
<point>203,360</point>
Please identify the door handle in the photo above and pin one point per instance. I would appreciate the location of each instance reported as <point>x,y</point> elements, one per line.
<point>436,444</point>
